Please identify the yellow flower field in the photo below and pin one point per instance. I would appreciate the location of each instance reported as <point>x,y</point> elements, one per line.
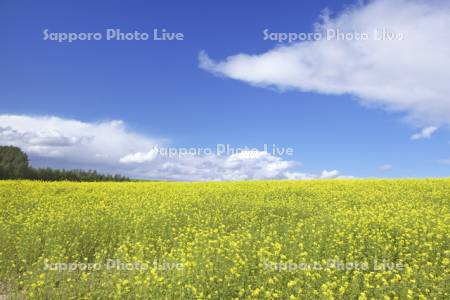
<point>326,239</point>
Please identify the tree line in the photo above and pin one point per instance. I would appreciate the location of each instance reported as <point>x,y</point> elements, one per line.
<point>14,164</point>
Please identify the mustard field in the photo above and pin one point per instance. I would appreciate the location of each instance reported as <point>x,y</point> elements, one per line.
<point>324,239</point>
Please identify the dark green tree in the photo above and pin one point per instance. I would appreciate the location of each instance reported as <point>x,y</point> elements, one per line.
<point>13,163</point>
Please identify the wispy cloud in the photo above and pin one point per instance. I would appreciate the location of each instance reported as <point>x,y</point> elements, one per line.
<point>385,167</point>
<point>325,174</point>
<point>444,161</point>
<point>425,133</point>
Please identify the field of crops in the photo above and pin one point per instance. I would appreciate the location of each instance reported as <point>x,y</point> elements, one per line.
<point>328,239</point>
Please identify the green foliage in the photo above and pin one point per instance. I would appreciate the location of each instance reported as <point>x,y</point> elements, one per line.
<point>14,165</point>
<point>48,174</point>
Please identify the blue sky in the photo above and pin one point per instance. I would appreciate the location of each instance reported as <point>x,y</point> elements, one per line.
<point>159,91</point>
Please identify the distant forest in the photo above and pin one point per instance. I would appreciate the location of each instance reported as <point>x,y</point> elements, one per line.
<point>14,164</point>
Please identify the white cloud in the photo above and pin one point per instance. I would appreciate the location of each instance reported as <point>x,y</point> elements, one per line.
<point>110,147</point>
<point>299,176</point>
<point>409,75</point>
<point>385,167</point>
<point>140,157</point>
<point>425,133</point>
<point>239,166</point>
<point>72,142</point>
<point>329,174</point>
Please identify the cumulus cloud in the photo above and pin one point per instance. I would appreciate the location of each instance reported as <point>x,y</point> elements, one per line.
<point>329,174</point>
<point>408,75</point>
<point>71,142</point>
<point>238,166</point>
<point>111,147</point>
<point>425,133</point>
<point>139,157</point>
